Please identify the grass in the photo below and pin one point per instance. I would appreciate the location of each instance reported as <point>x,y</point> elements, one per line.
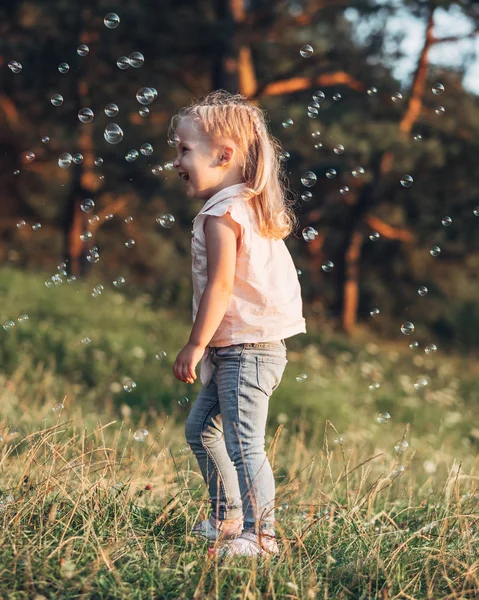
<point>88,511</point>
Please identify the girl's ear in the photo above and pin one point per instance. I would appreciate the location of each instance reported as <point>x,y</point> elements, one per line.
<point>226,155</point>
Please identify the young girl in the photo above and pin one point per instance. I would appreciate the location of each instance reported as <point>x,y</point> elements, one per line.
<point>246,300</point>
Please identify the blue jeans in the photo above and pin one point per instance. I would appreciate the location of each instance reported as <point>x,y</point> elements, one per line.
<point>226,429</point>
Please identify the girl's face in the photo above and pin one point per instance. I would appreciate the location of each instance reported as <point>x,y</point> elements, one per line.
<point>198,161</point>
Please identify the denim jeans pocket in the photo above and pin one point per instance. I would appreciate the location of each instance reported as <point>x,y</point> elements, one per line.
<point>269,372</point>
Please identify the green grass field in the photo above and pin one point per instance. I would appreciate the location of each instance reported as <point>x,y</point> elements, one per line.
<point>89,511</point>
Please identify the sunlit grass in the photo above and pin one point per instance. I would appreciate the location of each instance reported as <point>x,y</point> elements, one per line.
<point>87,510</point>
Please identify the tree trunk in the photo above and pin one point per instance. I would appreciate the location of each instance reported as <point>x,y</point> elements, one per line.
<point>84,183</point>
<point>233,67</point>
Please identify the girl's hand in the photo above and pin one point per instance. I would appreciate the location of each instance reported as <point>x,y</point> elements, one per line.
<point>186,361</point>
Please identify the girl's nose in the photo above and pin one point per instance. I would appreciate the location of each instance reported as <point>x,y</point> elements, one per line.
<point>176,163</point>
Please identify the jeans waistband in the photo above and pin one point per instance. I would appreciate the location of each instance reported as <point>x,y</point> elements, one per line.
<point>257,344</point>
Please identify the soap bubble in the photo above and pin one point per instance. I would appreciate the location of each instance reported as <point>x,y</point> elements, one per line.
<point>331,173</point>
<point>438,89</point>
<point>374,312</point>
<point>111,110</point>
<point>306,196</point>
<point>78,158</point>
<point>23,319</point>
<point>344,190</point>
<point>301,377</point>
<point>145,95</point>
<point>21,224</point>
<point>166,220</point>
<point>309,234</point>
<point>113,133</point>
<point>446,221</point>
<point>396,97</point>
<point>414,345</point>
<point>130,243</point>
<point>146,149</point>
<point>65,160</point>
<point>308,179</point>
<point>111,20</point>
<point>319,96</point>
<point>374,386</point>
<point>328,266</point>
<point>87,205</point>
<point>422,291</point>
<point>407,328</point>
<point>401,446</point>
<point>98,161</point>
<point>129,385</point>
<point>156,169</point>
<point>83,50</point>
<point>435,251</point>
<point>45,139</point>
<point>383,417</point>
<point>337,97</point>
<point>357,172</point>
<point>87,235</point>
<point>58,407</point>
<point>173,140</point>
<point>316,134</point>
<point>136,59</point>
<point>476,211</point>
<point>407,181</point>
<point>63,67</point>
<point>8,324</point>
<point>185,449</point>
<point>372,90</point>
<point>141,434</point>
<point>30,156</point>
<point>36,226</point>
<point>283,156</point>
<point>183,401</point>
<point>85,115</point>
<point>123,62</point>
<point>374,237</point>
<point>306,51</point>
<point>85,341</point>
<point>160,355</point>
<point>56,99</point>
<point>339,149</point>
<point>287,123</point>
<point>93,255</point>
<point>14,66</point>
<point>131,155</point>
<point>418,137</point>
<point>144,111</point>
<point>440,110</point>
<point>97,290</point>
<point>421,383</point>
<point>119,282</point>
<point>430,349</point>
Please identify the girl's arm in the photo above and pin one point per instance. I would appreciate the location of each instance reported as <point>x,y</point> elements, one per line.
<point>222,234</point>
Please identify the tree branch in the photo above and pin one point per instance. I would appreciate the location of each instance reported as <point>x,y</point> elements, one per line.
<point>388,231</point>
<point>295,84</point>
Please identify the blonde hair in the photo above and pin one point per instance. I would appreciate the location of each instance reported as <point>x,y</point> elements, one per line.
<point>231,116</point>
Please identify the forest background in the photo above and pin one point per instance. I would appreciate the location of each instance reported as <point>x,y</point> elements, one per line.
<point>377,232</point>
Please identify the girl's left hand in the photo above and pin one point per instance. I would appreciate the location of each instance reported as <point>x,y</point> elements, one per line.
<point>186,361</point>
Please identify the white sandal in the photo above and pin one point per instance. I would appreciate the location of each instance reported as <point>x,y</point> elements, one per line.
<point>248,544</point>
<point>220,530</point>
